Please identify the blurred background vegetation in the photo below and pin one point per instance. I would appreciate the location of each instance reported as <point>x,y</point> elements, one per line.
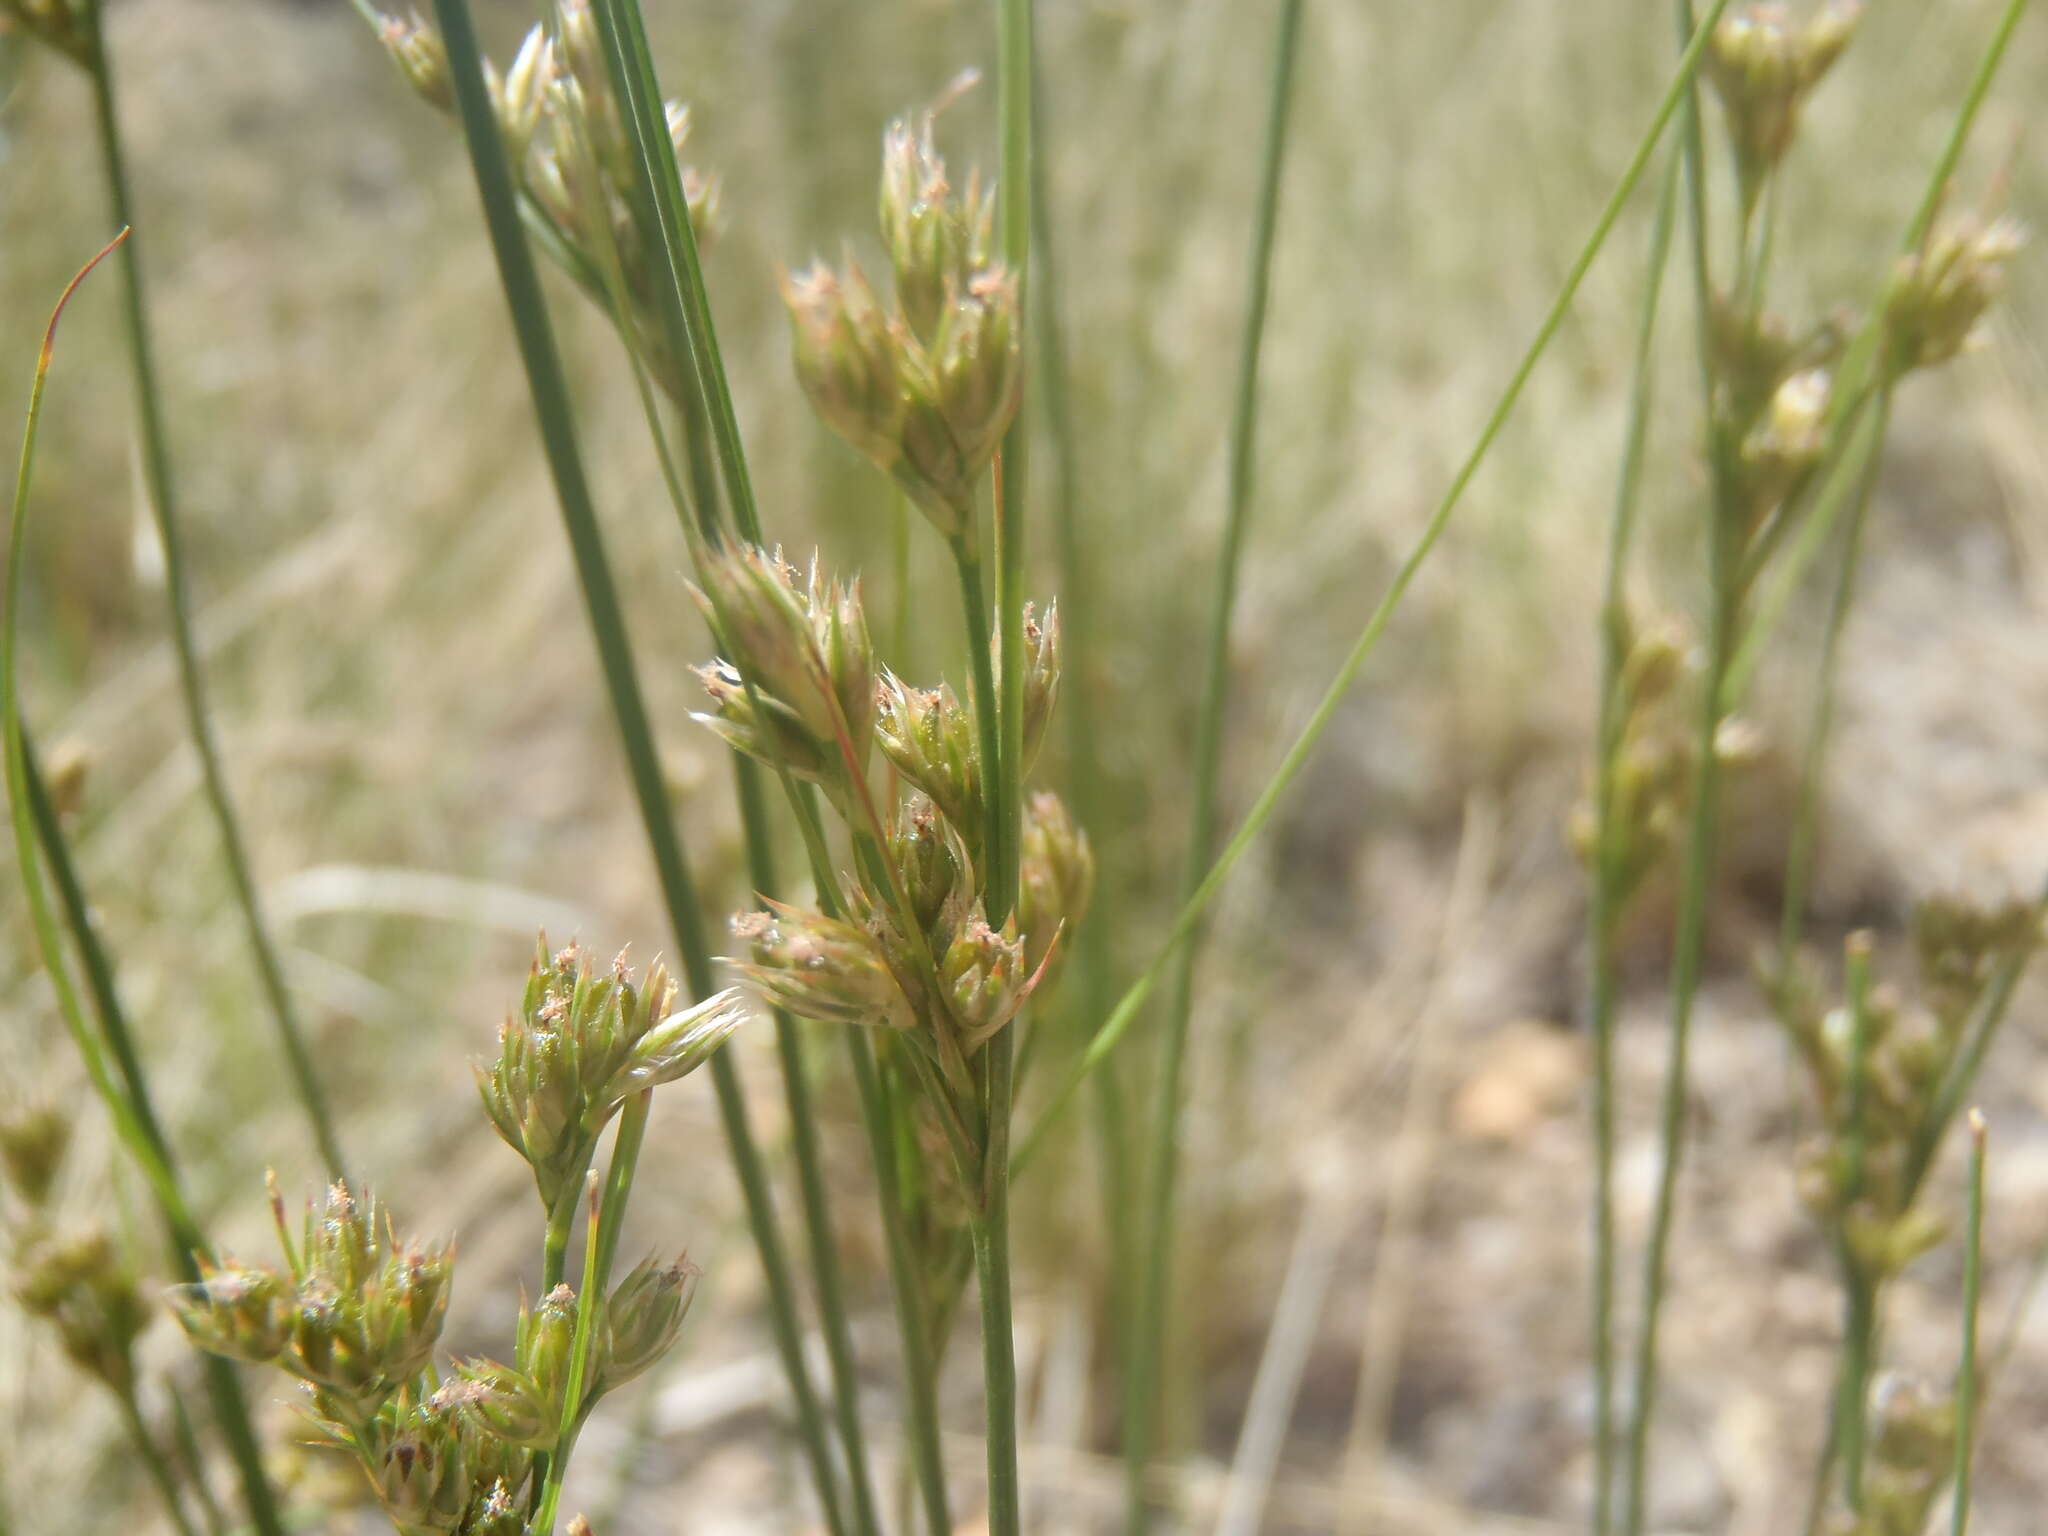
<point>428,771</point>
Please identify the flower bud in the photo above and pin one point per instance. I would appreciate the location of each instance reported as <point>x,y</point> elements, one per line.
<point>419,1468</point>
<point>510,1404</point>
<point>646,1313</point>
<point>422,57</point>
<point>1937,297</point>
<point>1041,676</point>
<point>846,359</point>
<point>81,1286</point>
<point>498,1513</point>
<point>960,393</point>
<point>520,98</point>
<point>929,738</point>
<point>802,646</point>
<point>245,1314</point>
<point>820,968</point>
<point>1788,441</point>
<point>938,877</point>
<point>546,1346</point>
<point>32,1145</point>
<point>1058,877</point>
<point>676,1046</point>
<point>985,978</point>
<point>369,1308</point>
<point>1763,67</point>
<point>935,242</point>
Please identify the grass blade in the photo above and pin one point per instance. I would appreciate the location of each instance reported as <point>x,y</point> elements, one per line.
<point>138,1131</point>
<point>1154,1302</point>
<point>156,471</point>
<point>1118,1024</point>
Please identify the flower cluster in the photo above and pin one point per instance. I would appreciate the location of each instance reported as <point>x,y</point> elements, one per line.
<point>572,158</point>
<point>581,1044</point>
<point>1938,296</point>
<point>1889,1077</point>
<point>926,388</point>
<point>1763,66</point>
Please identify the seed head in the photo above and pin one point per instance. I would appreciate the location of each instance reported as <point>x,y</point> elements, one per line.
<point>985,977</point>
<point>369,1307</point>
<point>803,646</point>
<point>929,738</point>
<point>1041,676</point>
<point>936,242</point>
<point>32,1145</point>
<point>510,1404</point>
<point>422,58</point>
<point>820,968</point>
<point>1937,298</point>
<point>243,1313</point>
<point>1764,66</point>
<point>580,1045</point>
<point>846,358</point>
<point>82,1288</point>
<point>1058,874</point>
<point>645,1313</point>
<point>937,875</point>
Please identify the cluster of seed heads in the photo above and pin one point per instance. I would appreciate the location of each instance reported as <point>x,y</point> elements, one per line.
<point>926,387</point>
<point>573,161</point>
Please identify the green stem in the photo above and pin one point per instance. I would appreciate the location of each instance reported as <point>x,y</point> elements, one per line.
<point>1820,725</point>
<point>1724,536</point>
<point>1966,1374</point>
<point>1015,84</point>
<point>1859,1287</point>
<point>1118,1024</point>
<point>1152,1316</point>
<point>1089,988</point>
<point>156,474</point>
<point>991,1233</point>
<point>154,1461</point>
<point>974,614</point>
<point>556,422</point>
<point>554,1266</point>
<point>919,1368</point>
<point>810,1163</point>
<point>1605,904</point>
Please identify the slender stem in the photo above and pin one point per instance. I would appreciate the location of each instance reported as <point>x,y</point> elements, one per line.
<point>554,1265</point>
<point>1820,724</point>
<point>1859,1286</point>
<point>156,474</point>
<point>556,421</point>
<point>1604,914</point>
<point>974,615</point>
<point>907,1287</point>
<point>134,1121</point>
<point>1724,543</point>
<point>991,1233</point>
<point>1120,1019</point>
<point>1152,1315</point>
<point>154,1462</point>
<point>1015,85</point>
<point>1966,1374</point>
<point>1089,986</point>
<point>193,1462</point>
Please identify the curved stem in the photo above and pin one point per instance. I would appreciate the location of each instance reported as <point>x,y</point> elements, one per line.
<point>156,474</point>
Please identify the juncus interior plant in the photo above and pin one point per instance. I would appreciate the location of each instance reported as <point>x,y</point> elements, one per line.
<point>1795,423</point>
<point>480,1447</point>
